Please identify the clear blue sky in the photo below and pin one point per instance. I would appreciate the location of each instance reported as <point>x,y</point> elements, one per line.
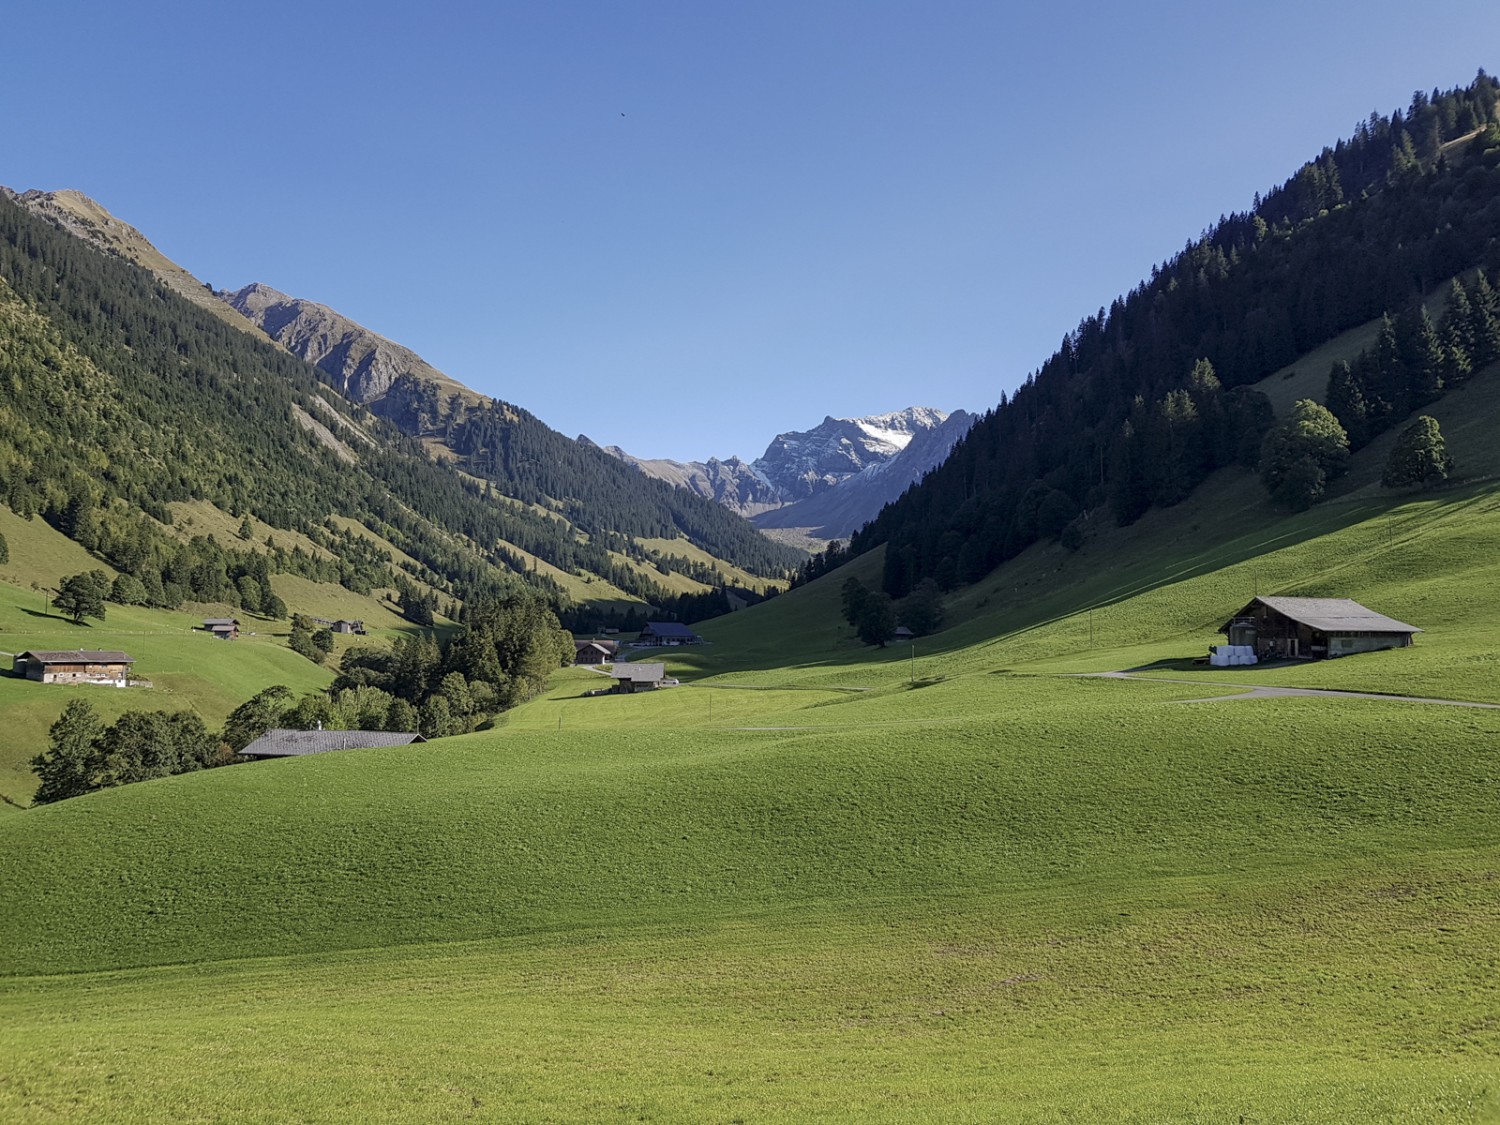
<point>685,226</point>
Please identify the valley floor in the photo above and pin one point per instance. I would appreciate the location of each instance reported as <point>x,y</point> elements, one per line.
<point>955,881</point>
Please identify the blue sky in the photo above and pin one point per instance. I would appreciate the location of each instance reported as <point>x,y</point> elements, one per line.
<point>683,227</point>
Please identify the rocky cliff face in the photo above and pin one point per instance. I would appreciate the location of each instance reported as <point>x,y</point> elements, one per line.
<point>733,483</point>
<point>803,464</point>
<point>828,480</point>
<point>837,511</point>
<point>363,364</point>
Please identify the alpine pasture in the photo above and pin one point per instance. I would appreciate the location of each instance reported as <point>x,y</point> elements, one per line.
<point>818,881</point>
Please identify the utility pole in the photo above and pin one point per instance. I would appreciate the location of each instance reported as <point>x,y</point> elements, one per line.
<point>914,664</point>
<point>1091,628</point>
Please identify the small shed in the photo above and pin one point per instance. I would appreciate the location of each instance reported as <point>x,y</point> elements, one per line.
<point>225,628</point>
<point>74,666</point>
<point>1314,628</point>
<point>630,678</point>
<point>902,633</point>
<point>282,743</point>
<point>668,633</point>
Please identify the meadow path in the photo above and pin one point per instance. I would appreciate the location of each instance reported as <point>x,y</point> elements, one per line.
<point>1267,691</point>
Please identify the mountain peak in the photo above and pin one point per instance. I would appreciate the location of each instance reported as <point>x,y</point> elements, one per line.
<point>75,213</point>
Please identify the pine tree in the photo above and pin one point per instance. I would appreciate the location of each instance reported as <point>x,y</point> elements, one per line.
<point>877,620</point>
<point>70,765</point>
<point>1457,333</point>
<point>1485,306</point>
<point>1421,357</point>
<point>1347,403</point>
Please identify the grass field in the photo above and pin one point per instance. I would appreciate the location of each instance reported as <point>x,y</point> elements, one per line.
<point>817,881</point>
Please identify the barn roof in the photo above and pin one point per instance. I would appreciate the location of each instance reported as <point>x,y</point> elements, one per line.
<point>282,743</point>
<point>210,622</point>
<point>77,656</point>
<point>668,629</point>
<point>640,673</point>
<point>1332,615</point>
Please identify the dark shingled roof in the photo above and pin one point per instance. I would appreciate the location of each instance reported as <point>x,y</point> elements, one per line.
<point>668,629</point>
<point>210,622</point>
<point>78,656</point>
<point>282,743</point>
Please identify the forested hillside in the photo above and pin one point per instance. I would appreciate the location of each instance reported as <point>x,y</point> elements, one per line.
<point>118,397</point>
<point>1143,400</point>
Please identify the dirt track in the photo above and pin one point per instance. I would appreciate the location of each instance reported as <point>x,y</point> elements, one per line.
<point>1266,691</point>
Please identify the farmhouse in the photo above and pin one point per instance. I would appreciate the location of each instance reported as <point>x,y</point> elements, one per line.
<point>594,652</point>
<point>667,633</point>
<point>631,678</point>
<point>75,666</point>
<point>1314,628</point>
<point>225,628</point>
<point>281,743</point>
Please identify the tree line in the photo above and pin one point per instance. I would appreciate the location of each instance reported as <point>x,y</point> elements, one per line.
<point>502,656</point>
<point>1124,416</point>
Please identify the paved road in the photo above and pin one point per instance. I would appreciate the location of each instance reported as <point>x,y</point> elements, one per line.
<point>1266,691</point>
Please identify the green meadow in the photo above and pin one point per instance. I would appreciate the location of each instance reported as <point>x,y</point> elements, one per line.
<point>951,881</point>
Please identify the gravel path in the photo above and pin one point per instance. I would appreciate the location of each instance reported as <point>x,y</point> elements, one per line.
<point>1266,691</point>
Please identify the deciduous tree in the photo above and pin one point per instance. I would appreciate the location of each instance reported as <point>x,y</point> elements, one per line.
<point>1420,456</point>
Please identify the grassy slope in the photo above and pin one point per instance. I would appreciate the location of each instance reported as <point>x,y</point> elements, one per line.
<point>893,904</point>
<point>822,881</point>
<point>188,670</point>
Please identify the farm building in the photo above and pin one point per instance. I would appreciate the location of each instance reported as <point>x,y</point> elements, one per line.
<point>75,666</point>
<point>225,628</point>
<point>594,652</point>
<point>667,633</point>
<point>280,743</point>
<point>341,626</point>
<point>1314,628</point>
<point>640,677</point>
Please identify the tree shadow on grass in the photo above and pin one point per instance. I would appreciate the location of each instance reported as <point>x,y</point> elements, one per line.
<point>54,617</point>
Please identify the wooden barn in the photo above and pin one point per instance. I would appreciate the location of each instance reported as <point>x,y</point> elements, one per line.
<point>225,628</point>
<point>1314,628</point>
<point>631,678</point>
<point>75,666</point>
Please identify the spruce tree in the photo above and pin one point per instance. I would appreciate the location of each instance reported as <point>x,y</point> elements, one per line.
<point>1347,403</point>
<point>70,765</point>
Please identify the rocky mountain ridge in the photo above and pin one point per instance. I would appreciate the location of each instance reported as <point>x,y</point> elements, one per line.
<point>825,482</point>
<point>363,364</point>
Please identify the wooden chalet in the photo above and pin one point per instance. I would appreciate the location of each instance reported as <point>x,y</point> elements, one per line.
<point>594,652</point>
<point>282,743</point>
<point>630,678</point>
<point>1314,628</point>
<point>658,633</point>
<point>74,666</point>
<point>225,628</point>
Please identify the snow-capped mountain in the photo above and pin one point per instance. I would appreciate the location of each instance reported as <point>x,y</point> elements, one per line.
<point>826,481</point>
